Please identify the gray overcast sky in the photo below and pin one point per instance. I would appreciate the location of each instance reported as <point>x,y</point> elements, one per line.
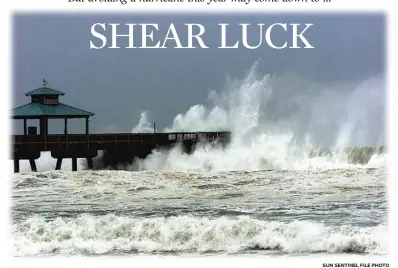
<point>117,84</point>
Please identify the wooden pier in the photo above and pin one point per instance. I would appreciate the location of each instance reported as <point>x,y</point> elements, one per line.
<point>117,147</point>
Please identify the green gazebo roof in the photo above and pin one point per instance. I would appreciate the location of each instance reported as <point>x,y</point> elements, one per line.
<point>45,105</point>
<point>35,110</point>
<point>44,91</point>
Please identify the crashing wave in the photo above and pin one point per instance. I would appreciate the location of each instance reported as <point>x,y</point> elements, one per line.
<point>185,234</point>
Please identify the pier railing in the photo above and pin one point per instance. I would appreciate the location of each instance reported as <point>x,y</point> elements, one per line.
<point>104,141</point>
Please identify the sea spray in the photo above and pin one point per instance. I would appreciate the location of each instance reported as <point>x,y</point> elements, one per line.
<point>277,122</point>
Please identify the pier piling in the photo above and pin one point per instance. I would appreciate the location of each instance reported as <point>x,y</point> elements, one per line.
<point>74,164</point>
<point>16,165</point>
<point>59,164</point>
<point>89,162</point>
<point>33,165</point>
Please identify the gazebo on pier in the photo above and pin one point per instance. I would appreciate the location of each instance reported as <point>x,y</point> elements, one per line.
<point>45,105</point>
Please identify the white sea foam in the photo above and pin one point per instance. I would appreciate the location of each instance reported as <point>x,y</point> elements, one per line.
<point>276,121</point>
<point>113,234</point>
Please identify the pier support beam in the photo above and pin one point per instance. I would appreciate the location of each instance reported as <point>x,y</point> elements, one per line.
<point>90,162</point>
<point>16,165</point>
<point>66,126</point>
<point>87,119</point>
<point>24,126</point>
<point>74,164</point>
<point>59,164</point>
<point>43,122</point>
<point>33,165</point>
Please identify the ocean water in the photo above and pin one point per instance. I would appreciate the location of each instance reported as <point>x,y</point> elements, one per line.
<point>105,212</point>
<point>264,194</point>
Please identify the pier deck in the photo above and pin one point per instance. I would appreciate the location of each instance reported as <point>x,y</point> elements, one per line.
<point>117,147</point>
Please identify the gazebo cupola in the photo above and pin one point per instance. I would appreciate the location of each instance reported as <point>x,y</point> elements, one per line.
<point>45,95</point>
<point>45,105</point>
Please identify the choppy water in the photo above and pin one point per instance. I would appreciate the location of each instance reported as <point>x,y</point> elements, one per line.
<point>268,192</point>
<point>112,212</point>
